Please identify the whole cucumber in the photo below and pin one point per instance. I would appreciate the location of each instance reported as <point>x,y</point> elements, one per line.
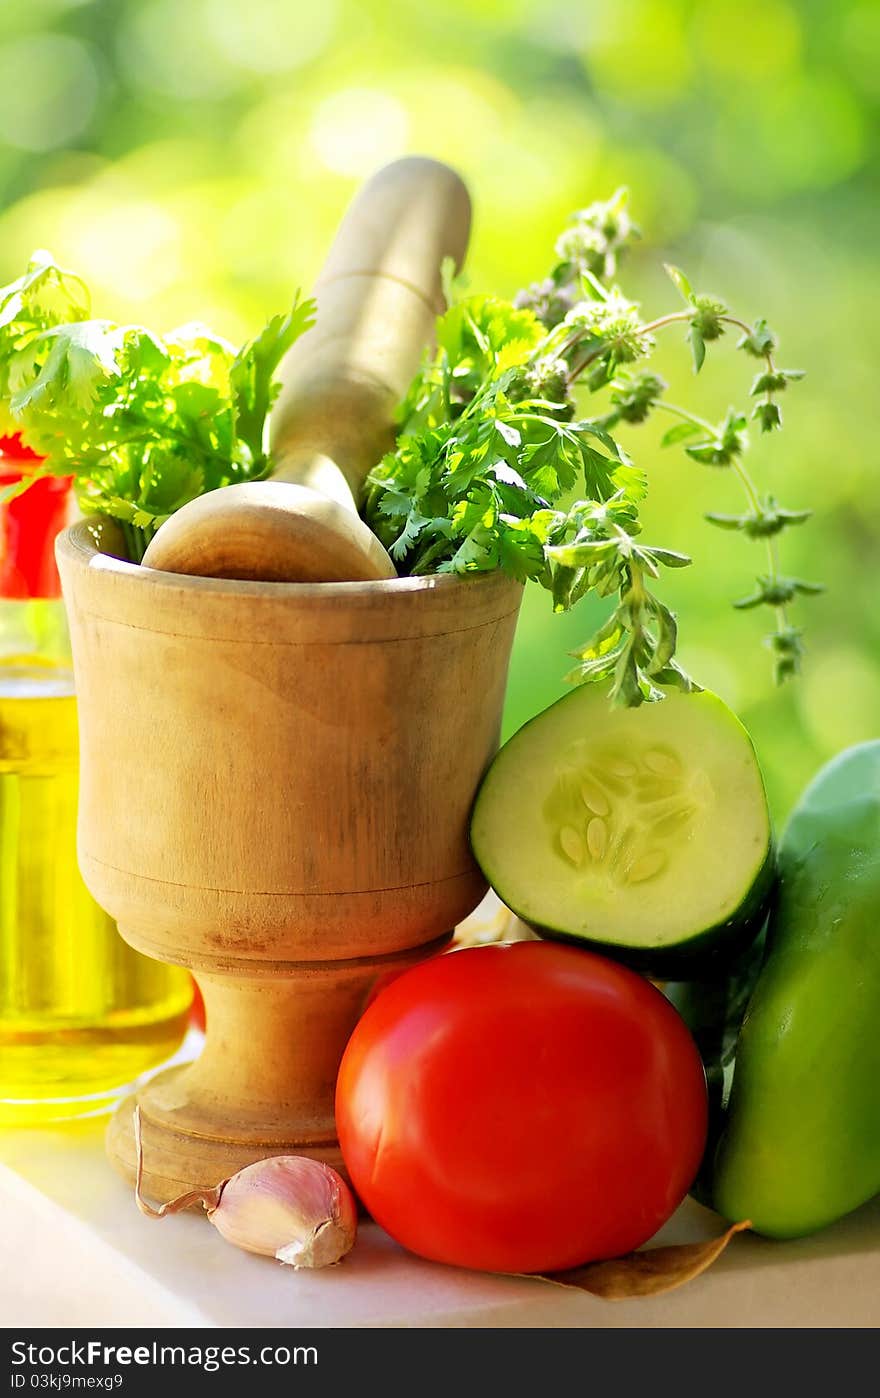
<point>801,1146</point>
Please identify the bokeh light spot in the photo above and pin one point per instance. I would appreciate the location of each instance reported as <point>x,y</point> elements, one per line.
<point>749,39</point>
<point>166,46</point>
<point>128,245</point>
<point>271,36</point>
<point>640,49</point>
<point>805,132</point>
<point>357,129</point>
<point>859,34</point>
<point>840,697</point>
<point>49,87</point>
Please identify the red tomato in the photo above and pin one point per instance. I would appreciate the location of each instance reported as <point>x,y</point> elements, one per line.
<point>197,1009</point>
<point>522,1108</point>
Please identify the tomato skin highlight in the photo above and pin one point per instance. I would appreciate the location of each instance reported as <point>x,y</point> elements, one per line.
<point>521,1108</point>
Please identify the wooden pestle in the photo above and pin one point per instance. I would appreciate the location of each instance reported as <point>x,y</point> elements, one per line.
<point>378,295</point>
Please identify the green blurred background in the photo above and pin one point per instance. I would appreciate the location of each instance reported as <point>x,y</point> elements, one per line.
<point>191,159</point>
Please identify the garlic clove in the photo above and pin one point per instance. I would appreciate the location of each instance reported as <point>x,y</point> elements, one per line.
<point>326,1244</point>
<point>290,1207</point>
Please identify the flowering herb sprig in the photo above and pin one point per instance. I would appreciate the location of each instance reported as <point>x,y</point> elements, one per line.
<point>491,440</point>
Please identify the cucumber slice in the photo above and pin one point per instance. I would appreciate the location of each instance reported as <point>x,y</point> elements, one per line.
<point>643,833</point>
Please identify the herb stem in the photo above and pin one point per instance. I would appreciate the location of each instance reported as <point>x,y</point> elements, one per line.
<point>749,489</point>
<point>603,346</point>
<point>673,318</point>
<point>747,483</point>
<point>740,324</point>
<point>748,330</point>
<point>163,431</point>
<point>135,543</point>
<point>753,498</point>
<point>773,572</point>
<point>684,415</point>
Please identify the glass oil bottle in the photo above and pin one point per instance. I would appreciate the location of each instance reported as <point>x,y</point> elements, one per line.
<point>81,1014</point>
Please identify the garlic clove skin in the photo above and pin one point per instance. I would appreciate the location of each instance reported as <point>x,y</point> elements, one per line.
<point>290,1207</point>
<point>326,1245</point>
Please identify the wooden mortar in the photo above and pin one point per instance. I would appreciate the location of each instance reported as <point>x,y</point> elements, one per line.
<point>276,780</point>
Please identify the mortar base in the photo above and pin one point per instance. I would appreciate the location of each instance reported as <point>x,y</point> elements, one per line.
<point>265,1080</point>
<point>177,1160</point>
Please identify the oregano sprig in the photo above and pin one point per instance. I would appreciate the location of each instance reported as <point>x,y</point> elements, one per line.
<point>593,548</point>
<point>723,445</point>
<point>492,436</point>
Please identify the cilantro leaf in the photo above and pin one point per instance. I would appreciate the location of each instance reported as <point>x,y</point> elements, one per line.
<point>252,373</point>
<point>80,357</point>
<point>143,423</point>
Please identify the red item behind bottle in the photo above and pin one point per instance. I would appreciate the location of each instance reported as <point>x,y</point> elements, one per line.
<point>29,525</point>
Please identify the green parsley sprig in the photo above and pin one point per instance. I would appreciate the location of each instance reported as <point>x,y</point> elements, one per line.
<point>491,441</point>
<point>143,423</point>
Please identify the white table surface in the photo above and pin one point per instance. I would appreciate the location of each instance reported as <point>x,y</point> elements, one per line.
<point>74,1251</point>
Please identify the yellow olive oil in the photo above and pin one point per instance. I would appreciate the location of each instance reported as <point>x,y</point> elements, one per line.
<point>81,1013</point>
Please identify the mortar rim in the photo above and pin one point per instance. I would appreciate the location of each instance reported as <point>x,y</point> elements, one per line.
<point>77,544</point>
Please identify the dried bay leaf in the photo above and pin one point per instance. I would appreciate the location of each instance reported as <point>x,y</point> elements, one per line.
<point>647,1273</point>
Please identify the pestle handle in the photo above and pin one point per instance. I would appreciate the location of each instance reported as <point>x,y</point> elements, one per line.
<point>378,295</point>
